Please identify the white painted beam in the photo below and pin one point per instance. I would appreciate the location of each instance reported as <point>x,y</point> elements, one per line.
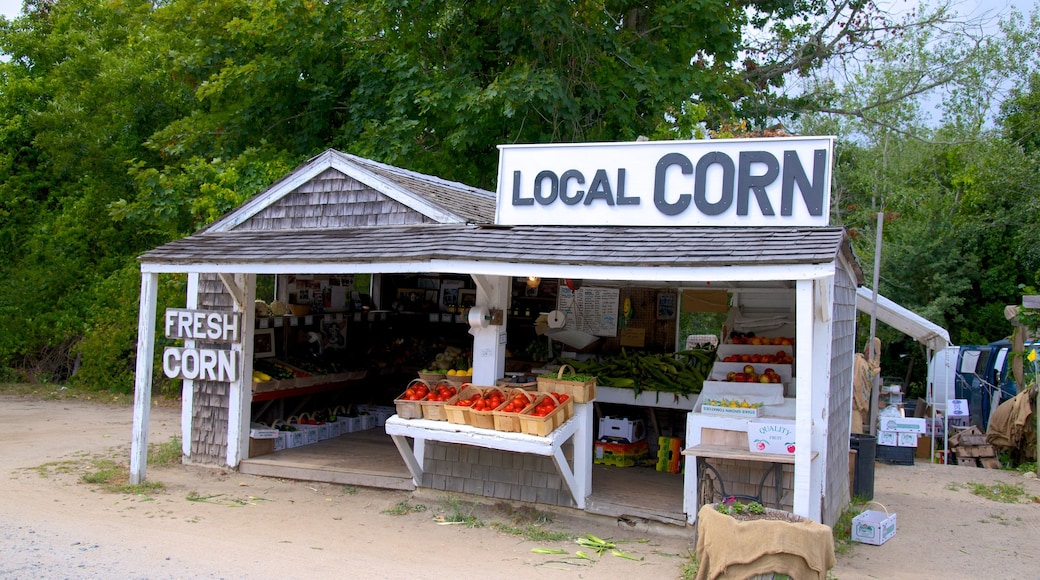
<point>143,377</point>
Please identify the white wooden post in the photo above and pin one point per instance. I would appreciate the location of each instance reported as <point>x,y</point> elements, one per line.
<point>489,343</point>
<point>188,385</point>
<point>240,394</point>
<point>143,376</point>
<point>804,353</point>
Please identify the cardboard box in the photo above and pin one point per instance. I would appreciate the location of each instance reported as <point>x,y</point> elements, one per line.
<point>887,438</point>
<point>924,447</point>
<point>902,424</point>
<point>621,429</point>
<point>873,527</point>
<point>279,443</point>
<point>620,454</point>
<point>258,447</point>
<point>906,439</point>
<point>263,433</point>
<point>771,436</point>
<point>739,412</point>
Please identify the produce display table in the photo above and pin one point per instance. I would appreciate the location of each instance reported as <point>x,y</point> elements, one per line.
<point>275,392</point>
<point>577,478</point>
<point>716,437</point>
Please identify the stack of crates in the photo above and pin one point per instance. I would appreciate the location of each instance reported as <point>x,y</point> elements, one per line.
<point>669,454</point>
<point>620,454</point>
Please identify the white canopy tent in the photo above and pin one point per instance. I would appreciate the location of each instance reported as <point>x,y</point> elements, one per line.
<point>923,330</point>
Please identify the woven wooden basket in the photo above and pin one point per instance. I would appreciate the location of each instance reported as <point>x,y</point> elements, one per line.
<point>410,409</point>
<point>581,392</point>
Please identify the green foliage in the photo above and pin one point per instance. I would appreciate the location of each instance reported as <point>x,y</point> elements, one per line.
<point>125,124</point>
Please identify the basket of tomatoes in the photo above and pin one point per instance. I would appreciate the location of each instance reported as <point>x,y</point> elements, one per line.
<point>482,411</point>
<point>507,417</point>
<point>457,409</point>
<point>408,403</point>
<point>436,399</point>
<point>549,411</point>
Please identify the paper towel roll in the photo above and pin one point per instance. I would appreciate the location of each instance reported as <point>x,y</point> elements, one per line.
<point>479,317</point>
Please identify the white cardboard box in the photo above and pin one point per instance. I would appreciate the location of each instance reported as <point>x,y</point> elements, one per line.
<point>628,430</point>
<point>771,436</point>
<point>887,438</point>
<point>902,424</point>
<point>906,439</point>
<point>873,527</point>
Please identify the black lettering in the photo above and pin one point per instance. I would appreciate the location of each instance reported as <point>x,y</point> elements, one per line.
<point>600,189</point>
<point>517,200</point>
<point>621,199</point>
<point>812,193</point>
<point>554,188</point>
<point>564,179</point>
<point>700,196</point>
<point>663,164</point>
<point>747,183</point>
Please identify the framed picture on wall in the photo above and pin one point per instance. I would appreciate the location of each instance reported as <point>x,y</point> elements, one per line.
<point>263,343</point>
<point>665,306</point>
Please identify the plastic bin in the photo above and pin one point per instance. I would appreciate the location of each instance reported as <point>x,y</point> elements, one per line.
<point>865,447</point>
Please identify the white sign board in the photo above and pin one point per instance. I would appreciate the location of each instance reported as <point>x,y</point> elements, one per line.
<point>590,310</point>
<point>958,407</point>
<point>724,182</point>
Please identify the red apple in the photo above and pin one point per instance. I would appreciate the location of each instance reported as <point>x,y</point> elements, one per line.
<point>740,378</point>
<point>748,369</point>
<point>790,448</point>
<point>731,376</point>
<point>764,379</point>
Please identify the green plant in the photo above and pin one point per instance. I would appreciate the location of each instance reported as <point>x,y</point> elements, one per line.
<point>842,529</point>
<point>1000,491</point>
<point>404,508</point>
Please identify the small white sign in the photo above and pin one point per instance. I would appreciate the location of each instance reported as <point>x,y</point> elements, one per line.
<point>958,407</point>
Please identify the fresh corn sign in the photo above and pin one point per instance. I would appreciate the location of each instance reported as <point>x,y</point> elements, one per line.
<point>725,182</point>
<point>209,364</point>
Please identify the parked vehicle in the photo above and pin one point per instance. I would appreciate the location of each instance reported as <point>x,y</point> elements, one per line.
<point>979,374</point>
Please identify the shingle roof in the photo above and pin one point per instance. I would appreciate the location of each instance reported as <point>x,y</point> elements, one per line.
<point>473,204</point>
<point>551,245</point>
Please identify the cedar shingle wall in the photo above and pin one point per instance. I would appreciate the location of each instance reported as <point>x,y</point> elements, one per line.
<point>843,346</point>
<point>210,402</point>
<point>333,200</point>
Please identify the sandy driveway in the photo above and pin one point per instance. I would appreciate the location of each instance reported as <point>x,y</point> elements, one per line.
<point>54,526</point>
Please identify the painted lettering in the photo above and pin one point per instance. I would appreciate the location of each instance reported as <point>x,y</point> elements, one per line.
<point>679,205</point>
<point>517,200</point>
<point>568,176</point>
<point>700,194</point>
<point>200,364</point>
<point>748,183</point>
<point>812,193</point>
<point>197,324</point>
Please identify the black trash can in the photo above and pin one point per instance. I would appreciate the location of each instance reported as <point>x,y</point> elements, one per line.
<point>866,450</point>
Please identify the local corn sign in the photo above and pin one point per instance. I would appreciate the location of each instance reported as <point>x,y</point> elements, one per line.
<point>208,364</point>
<point>724,182</point>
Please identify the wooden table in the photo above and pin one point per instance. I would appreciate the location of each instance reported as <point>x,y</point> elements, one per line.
<point>577,477</point>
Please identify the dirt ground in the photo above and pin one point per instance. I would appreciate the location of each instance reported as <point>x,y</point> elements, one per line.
<point>212,523</point>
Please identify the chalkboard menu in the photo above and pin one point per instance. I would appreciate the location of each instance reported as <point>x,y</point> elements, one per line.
<point>591,310</point>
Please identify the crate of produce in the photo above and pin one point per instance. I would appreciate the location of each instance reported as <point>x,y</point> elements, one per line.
<point>482,413</point>
<point>546,413</point>
<point>457,408</point>
<point>433,405</point>
<point>507,416</point>
<point>408,403</point>
<point>581,388</point>
<point>620,454</point>
<point>739,408</point>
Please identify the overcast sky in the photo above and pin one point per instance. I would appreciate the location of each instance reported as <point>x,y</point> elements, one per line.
<point>968,8</point>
